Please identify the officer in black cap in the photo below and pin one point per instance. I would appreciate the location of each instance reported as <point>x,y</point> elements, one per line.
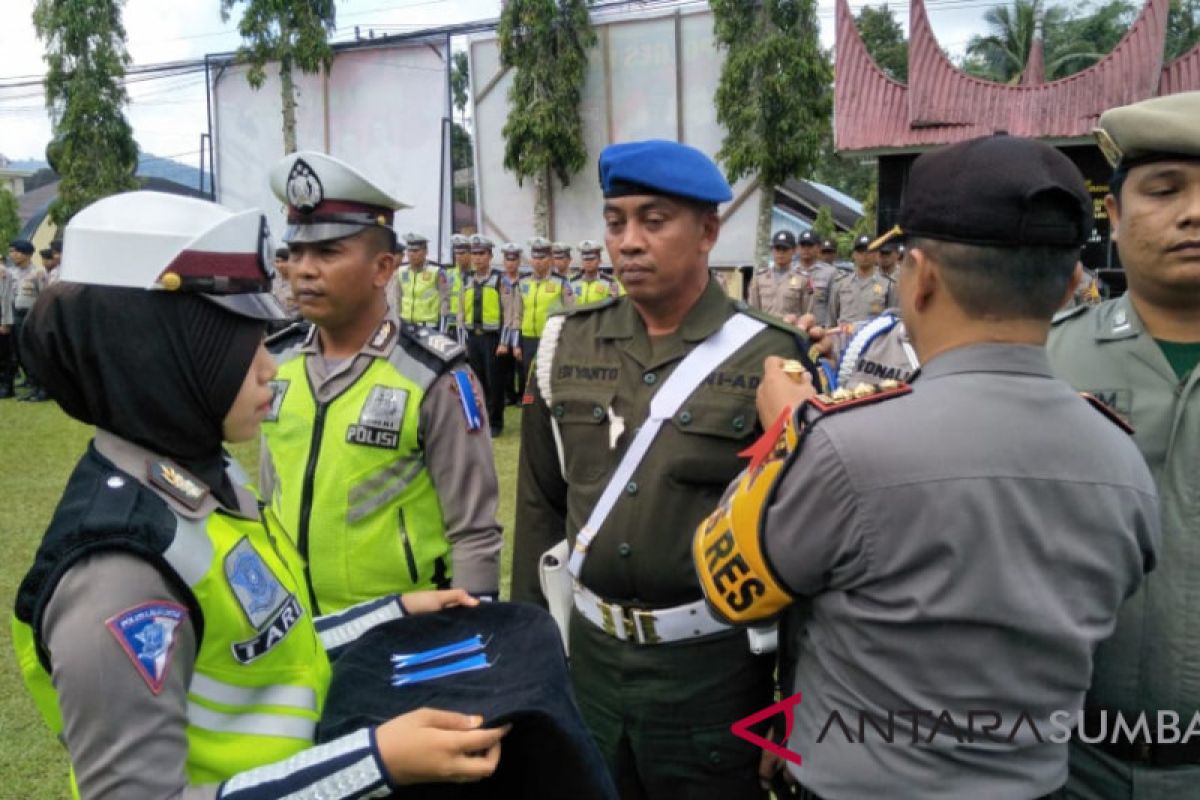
<point>777,288</point>
<point>863,293</point>
<point>965,542</point>
<point>28,282</point>
<point>821,279</point>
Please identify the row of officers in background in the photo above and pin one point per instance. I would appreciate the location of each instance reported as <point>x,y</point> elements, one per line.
<point>803,279</point>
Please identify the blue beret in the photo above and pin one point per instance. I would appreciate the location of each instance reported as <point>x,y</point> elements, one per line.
<point>657,166</point>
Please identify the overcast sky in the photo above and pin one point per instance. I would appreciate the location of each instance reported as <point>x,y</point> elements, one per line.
<point>168,115</point>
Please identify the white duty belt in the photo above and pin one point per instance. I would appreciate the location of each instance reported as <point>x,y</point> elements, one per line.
<point>647,626</point>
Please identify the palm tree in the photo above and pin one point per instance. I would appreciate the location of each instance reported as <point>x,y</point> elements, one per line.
<point>1071,42</point>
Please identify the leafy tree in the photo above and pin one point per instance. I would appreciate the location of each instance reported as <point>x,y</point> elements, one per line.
<point>293,32</point>
<point>1073,38</point>
<point>774,97</point>
<point>885,41</point>
<point>849,174</point>
<point>93,147</point>
<point>10,222</point>
<point>868,223</point>
<point>823,226</point>
<point>546,42</point>
<point>460,147</point>
<point>460,81</point>
<point>1183,27</point>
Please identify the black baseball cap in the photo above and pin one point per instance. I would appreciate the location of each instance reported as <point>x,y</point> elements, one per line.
<point>783,239</point>
<point>829,244</point>
<point>807,237</point>
<point>862,243</point>
<point>996,191</point>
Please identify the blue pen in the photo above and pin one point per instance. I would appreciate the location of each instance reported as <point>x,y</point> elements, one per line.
<point>475,662</point>
<point>465,647</point>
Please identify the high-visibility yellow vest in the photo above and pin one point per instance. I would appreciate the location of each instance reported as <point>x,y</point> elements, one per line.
<point>489,293</point>
<point>420,296</point>
<point>593,291</point>
<point>539,299</point>
<point>260,675</point>
<point>352,487</point>
<point>454,286</point>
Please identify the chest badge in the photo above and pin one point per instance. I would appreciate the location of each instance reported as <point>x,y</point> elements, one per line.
<point>381,418</point>
<point>270,609</point>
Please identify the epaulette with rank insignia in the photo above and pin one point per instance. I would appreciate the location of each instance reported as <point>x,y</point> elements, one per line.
<point>293,335</point>
<point>861,395</point>
<point>1069,313</point>
<point>445,349</point>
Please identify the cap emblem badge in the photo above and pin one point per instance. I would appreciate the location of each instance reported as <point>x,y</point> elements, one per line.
<point>304,189</point>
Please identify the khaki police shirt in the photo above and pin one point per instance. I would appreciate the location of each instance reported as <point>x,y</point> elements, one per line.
<point>779,292</point>
<point>602,376</point>
<point>972,563</point>
<point>460,461</point>
<point>1152,662</point>
<point>854,298</point>
<point>820,279</point>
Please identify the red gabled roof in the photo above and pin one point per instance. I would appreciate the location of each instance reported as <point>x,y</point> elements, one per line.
<point>942,104</point>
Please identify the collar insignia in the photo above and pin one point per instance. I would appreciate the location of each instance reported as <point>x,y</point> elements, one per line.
<point>383,334</point>
<point>177,483</point>
<point>304,189</point>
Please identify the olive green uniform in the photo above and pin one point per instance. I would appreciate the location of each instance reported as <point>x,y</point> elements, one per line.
<point>660,712</point>
<point>1152,662</point>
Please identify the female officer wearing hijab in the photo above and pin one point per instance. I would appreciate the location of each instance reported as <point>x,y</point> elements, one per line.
<point>163,629</point>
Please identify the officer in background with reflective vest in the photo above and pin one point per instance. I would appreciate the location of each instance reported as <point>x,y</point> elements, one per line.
<point>592,285</point>
<point>542,293</point>
<point>164,629</point>
<point>456,278</point>
<point>422,291</point>
<point>376,457</point>
<point>511,376</point>
<point>484,296</point>
<point>1140,355</point>
<point>560,254</point>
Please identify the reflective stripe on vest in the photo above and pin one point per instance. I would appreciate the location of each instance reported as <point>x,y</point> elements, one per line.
<point>353,490</point>
<point>419,300</point>
<point>454,285</point>
<point>242,712</point>
<point>540,298</point>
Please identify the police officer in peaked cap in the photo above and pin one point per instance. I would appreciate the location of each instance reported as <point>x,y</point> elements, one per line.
<point>863,293</point>
<point>158,540</point>
<point>377,457</point>
<point>778,288</point>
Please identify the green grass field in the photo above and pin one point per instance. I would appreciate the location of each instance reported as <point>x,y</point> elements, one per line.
<point>38,448</point>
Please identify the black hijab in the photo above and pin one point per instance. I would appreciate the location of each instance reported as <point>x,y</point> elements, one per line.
<point>160,369</point>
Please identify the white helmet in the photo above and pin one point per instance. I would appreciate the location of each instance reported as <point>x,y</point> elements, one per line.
<point>166,242</point>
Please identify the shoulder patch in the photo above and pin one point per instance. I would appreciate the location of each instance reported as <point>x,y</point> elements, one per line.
<point>864,394</point>
<point>468,397</point>
<point>147,635</point>
<point>1069,313</point>
<point>1105,409</point>
<point>438,344</point>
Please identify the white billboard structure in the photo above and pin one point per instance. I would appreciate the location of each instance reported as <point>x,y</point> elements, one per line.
<point>382,107</point>
<point>650,75</point>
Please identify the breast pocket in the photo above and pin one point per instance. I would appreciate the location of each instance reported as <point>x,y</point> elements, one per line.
<point>588,430</point>
<point>712,431</point>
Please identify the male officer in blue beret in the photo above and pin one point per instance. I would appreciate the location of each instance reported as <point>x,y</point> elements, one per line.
<point>658,678</point>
